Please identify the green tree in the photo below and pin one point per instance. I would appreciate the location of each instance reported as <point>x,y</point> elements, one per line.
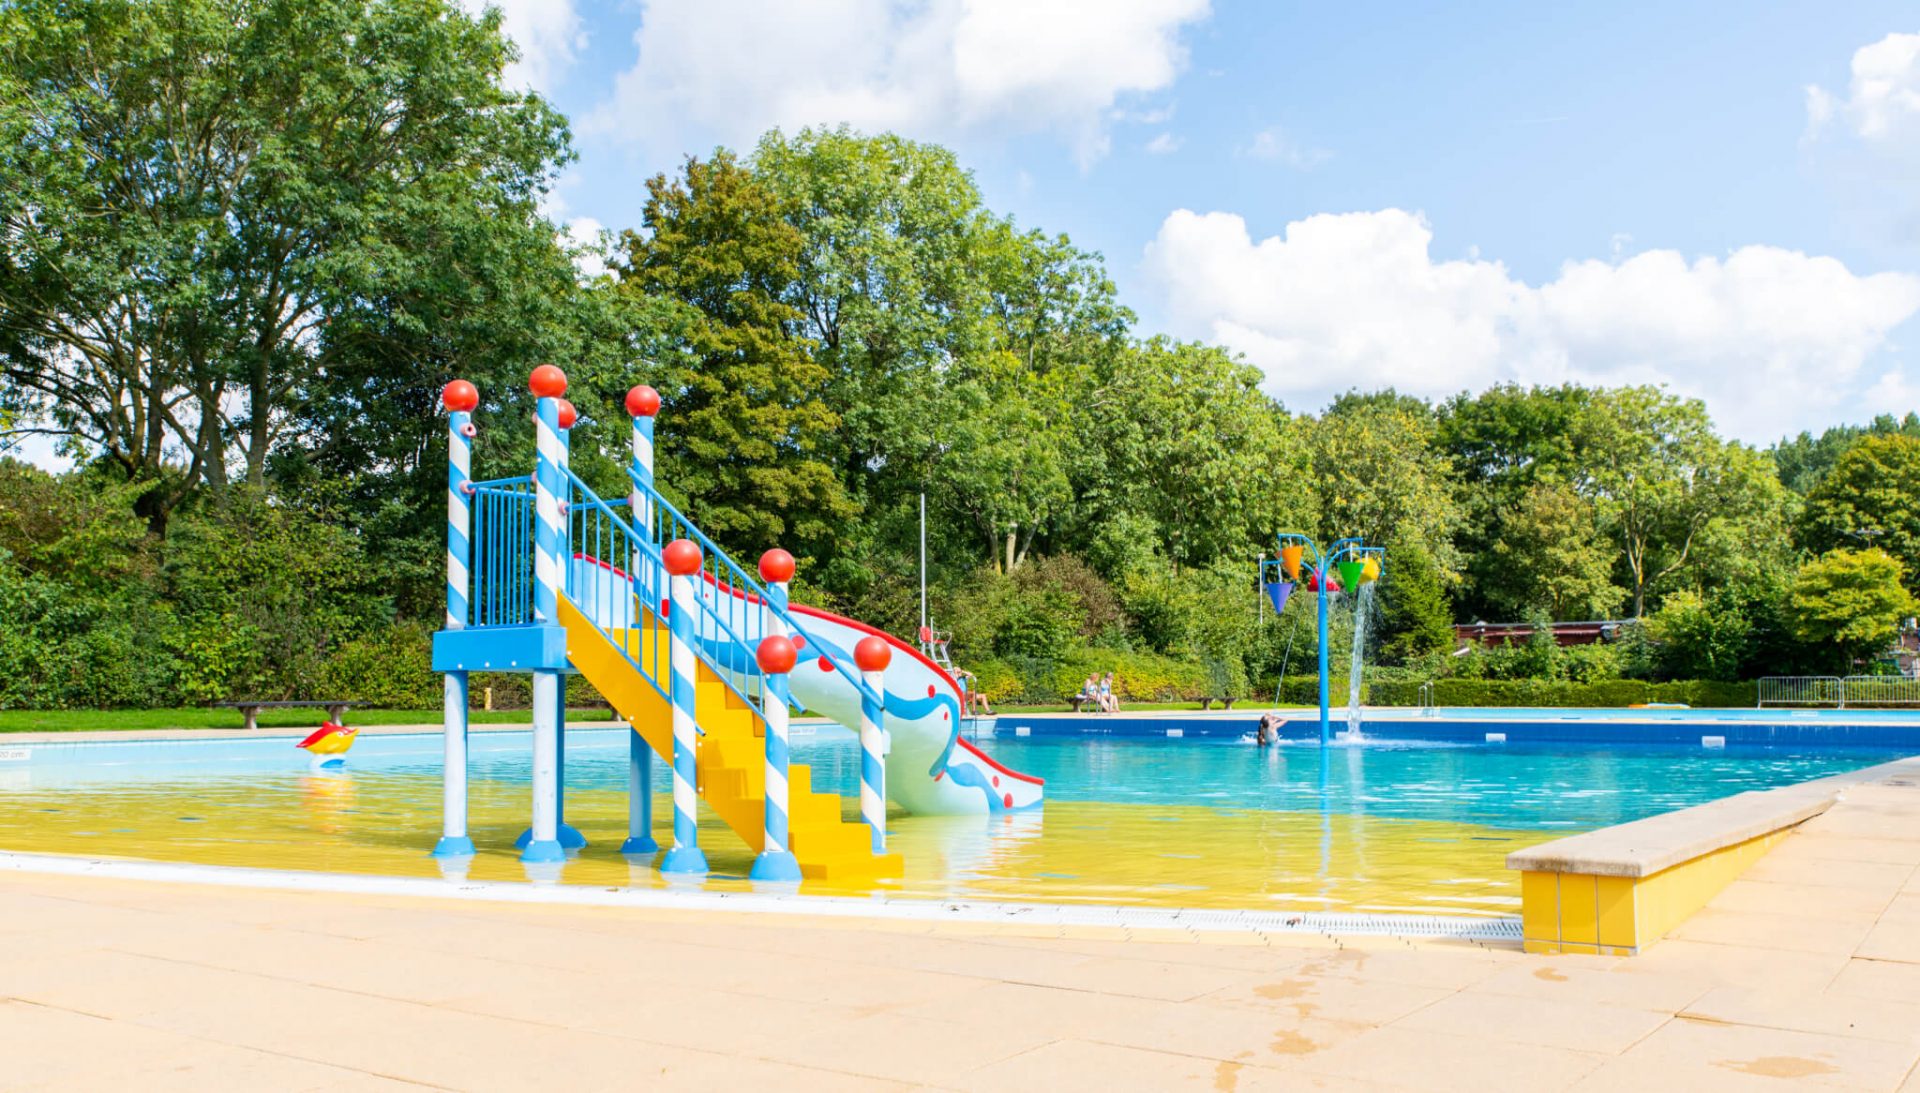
<point>1551,557</point>
<point>1377,474</point>
<point>1695,639</point>
<point>1663,482</point>
<point>1848,605</point>
<point>1872,496</point>
<point>1002,461</point>
<point>746,435</point>
<point>1415,619</point>
<point>199,195</point>
<point>1804,460</point>
<point>1190,442</point>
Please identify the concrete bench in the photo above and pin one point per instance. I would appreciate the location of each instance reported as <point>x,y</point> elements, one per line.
<point>336,709</point>
<point>1225,703</point>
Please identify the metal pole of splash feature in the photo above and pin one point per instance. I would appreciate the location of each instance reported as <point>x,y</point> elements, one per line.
<point>682,560</point>
<point>460,399</point>
<point>643,403</point>
<point>569,836</point>
<point>872,655</point>
<point>547,384</point>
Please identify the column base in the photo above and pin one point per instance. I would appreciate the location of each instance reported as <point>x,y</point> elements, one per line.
<point>684,859</point>
<point>548,851</point>
<point>639,844</point>
<point>775,865</point>
<point>453,846</point>
<point>568,836</point>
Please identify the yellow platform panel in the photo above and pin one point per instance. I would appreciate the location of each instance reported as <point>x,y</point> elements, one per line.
<point>731,755</point>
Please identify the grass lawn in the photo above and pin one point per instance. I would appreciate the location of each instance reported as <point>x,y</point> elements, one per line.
<point>298,718</point>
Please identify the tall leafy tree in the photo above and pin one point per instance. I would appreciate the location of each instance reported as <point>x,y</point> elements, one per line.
<point>747,434</point>
<point>1804,460</point>
<point>1550,556</point>
<point>1872,496</point>
<point>1379,476</point>
<point>1848,604</point>
<point>204,200</point>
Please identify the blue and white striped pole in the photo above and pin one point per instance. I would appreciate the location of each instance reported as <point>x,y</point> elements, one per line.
<point>682,560</point>
<point>549,535</point>
<point>569,836</point>
<point>460,399</point>
<point>872,655</point>
<point>643,403</point>
<point>775,861</point>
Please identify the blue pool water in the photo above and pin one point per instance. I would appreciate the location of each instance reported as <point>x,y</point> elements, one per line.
<point>1546,786</point>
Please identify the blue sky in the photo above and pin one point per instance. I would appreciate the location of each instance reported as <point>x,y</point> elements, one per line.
<point>1724,198</point>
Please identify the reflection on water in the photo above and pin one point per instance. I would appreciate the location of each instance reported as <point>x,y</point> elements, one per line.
<point>1197,824</point>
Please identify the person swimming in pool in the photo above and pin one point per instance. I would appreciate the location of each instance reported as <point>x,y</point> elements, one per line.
<point>1269,731</point>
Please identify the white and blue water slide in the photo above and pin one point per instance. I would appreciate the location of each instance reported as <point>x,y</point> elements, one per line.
<point>931,771</point>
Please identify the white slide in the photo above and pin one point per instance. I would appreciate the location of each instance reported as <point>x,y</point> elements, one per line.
<point>931,771</point>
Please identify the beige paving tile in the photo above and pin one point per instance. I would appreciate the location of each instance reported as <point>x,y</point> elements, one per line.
<point>1745,965</point>
<point>1633,982</point>
<point>1842,846</point>
<point>1782,867</point>
<point>1330,998</point>
<point>1445,969</point>
<point>1799,899</point>
<point>1577,1026</point>
<point>1885,980</point>
<point>1418,1059</point>
<point>1827,1012</point>
<point>896,1048</point>
<point>1892,939</point>
<point>1686,1050</point>
<point>1067,1066</point>
<point>1832,932</point>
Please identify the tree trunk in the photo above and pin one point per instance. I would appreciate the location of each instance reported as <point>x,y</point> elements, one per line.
<point>1013,537</point>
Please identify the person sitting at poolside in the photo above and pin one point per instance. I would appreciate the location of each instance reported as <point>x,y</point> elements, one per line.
<point>1090,693</point>
<point>1109,701</point>
<point>974,699</point>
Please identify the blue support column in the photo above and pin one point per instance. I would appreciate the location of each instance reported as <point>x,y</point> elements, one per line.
<point>639,797</point>
<point>642,403</point>
<point>775,861</point>
<point>1326,727</point>
<point>686,856</point>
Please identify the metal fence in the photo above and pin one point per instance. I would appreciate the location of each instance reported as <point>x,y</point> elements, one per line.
<point>1839,692</point>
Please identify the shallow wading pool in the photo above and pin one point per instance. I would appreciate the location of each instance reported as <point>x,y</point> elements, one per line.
<point>1211,821</point>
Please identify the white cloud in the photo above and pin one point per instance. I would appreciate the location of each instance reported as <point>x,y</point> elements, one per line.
<point>1164,144</point>
<point>1882,103</point>
<point>586,238</point>
<point>729,69</point>
<point>1774,340</point>
<point>1274,145</point>
<point>548,33</point>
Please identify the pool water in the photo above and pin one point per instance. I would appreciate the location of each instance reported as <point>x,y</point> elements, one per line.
<point>1386,827</point>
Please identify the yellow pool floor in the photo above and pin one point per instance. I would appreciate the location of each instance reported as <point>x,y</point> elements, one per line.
<point>1066,852</point>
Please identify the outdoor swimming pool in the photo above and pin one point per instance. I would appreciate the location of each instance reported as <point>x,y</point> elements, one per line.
<point>1386,826</point>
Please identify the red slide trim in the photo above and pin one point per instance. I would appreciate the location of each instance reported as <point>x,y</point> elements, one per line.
<point>995,764</point>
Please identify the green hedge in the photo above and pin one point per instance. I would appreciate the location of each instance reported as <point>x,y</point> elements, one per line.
<point>1540,692</point>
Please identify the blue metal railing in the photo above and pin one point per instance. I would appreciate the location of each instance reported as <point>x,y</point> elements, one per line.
<point>502,543</point>
<point>737,601</point>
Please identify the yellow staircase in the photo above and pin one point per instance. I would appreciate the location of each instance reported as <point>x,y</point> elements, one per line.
<point>732,750</point>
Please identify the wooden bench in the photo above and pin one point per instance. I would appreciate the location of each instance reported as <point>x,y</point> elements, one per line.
<point>336,709</point>
<point>1225,703</point>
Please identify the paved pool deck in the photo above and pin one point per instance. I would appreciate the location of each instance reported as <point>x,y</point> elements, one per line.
<point>1806,970</point>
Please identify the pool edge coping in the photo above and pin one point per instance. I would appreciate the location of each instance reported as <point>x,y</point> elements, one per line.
<point>1685,834</point>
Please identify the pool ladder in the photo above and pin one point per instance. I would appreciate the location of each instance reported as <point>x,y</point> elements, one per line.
<point>1427,708</point>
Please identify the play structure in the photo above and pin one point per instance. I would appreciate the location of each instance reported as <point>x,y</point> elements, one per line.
<point>705,661</point>
<point>1355,565</point>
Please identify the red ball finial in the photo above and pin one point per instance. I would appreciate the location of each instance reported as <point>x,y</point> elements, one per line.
<point>567,415</point>
<point>776,565</point>
<point>643,401</point>
<point>873,654</point>
<point>547,382</point>
<point>460,396</point>
<point>682,557</point>
<point>777,655</point>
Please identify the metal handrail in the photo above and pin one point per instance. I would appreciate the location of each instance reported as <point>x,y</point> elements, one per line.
<point>727,577</point>
<point>502,559</point>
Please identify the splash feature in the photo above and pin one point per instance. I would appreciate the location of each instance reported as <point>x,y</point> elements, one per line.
<point>1354,565</point>
<point>702,659</point>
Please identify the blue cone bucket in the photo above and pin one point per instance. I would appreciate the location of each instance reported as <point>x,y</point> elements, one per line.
<point>1278,591</point>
